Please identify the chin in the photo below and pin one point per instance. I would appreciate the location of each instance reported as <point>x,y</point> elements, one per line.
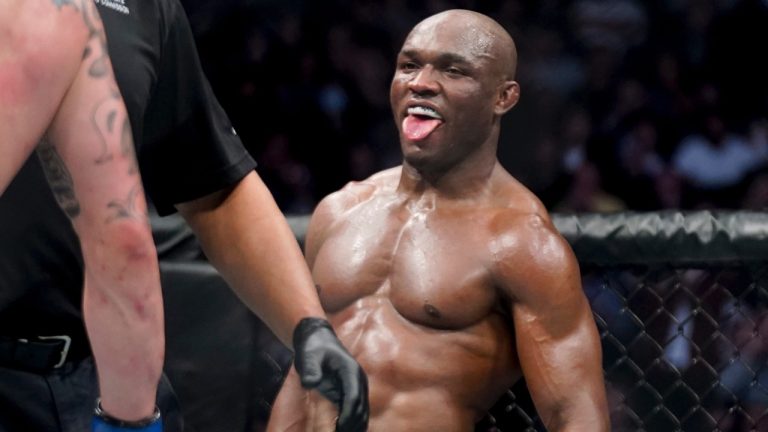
<point>419,153</point>
<point>417,159</point>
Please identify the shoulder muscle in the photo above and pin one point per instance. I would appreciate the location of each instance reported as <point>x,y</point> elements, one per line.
<point>334,206</point>
<point>533,264</point>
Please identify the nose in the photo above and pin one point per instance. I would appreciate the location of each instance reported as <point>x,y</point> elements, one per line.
<point>424,82</point>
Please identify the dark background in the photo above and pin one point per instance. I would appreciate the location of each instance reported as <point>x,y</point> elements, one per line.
<point>611,89</point>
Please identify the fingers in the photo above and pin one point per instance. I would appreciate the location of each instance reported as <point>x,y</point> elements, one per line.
<point>325,365</point>
<point>353,413</point>
<point>310,372</point>
<point>313,341</point>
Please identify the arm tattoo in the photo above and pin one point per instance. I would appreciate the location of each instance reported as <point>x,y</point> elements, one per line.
<point>96,34</point>
<point>97,38</point>
<point>127,208</point>
<point>109,119</point>
<point>58,178</point>
<point>104,118</point>
<point>60,3</point>
<point>112,125</point>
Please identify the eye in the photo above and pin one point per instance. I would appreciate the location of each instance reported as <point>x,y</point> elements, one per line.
<point>408,66</point>
<point>452,70</point>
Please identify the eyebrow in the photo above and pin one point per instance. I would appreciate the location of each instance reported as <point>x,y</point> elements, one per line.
<point>445,57</point>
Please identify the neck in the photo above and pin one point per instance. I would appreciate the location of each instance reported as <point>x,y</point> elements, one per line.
<point>469,179</point>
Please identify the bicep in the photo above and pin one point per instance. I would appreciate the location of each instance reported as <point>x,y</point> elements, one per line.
<point>561,360</point>
<point>557,340</point>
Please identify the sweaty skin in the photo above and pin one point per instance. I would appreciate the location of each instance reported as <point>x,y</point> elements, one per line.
<point>445,277</point>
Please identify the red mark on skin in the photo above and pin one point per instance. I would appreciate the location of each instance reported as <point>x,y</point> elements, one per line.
<point>13,89</point>
<point>101,299</point>
<point>139,308</point>
<point>138,254</point>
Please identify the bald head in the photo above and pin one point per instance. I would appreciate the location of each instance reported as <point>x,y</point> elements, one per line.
<point>480,33</point>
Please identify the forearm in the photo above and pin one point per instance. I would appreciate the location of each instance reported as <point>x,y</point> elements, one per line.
<point>566,383</point>
<point>248,240</point>
<point>571,395</point>
<point>289,410</point>
<point>578,417</point>
<point>561,359</point>
<point>123,312</point>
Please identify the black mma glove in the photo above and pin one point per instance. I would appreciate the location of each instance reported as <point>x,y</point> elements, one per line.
<point>325,365</point>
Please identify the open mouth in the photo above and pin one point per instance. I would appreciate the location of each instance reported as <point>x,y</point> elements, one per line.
<point>420,122</point>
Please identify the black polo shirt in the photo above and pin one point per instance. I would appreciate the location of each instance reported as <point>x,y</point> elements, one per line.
<point>186,148</point>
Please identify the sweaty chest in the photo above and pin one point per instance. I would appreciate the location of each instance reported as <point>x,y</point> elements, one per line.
<point>431,270</point>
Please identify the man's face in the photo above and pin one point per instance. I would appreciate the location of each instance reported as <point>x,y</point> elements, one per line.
<point>446,83</point>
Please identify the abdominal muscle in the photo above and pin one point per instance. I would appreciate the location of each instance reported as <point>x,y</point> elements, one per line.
<point>427,409</point>
<point>422,378</point>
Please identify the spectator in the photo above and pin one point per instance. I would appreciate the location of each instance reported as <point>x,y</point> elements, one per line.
<point>587,193</point>
<point>714,160</point>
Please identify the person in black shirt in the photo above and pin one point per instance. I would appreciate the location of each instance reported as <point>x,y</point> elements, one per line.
<point>191,161</point>
<point>58,95</point>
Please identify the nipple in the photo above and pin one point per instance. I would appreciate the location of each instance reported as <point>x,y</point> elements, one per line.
<point>432,311</point>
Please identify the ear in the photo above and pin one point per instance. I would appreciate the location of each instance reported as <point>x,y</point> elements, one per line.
<point>509,94</point>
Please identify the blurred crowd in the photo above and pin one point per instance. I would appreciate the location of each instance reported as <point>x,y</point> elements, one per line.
<point>625,104</point>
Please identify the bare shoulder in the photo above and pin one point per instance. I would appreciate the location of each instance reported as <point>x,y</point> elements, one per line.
<point>518,211</point>
<point>333,208</point>
<point>357,192</point>
<point>530,257</point>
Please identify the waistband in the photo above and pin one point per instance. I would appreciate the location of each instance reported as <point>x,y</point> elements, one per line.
<point>40,354</point>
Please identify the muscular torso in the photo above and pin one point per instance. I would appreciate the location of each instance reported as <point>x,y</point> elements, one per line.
<point>410,291</point>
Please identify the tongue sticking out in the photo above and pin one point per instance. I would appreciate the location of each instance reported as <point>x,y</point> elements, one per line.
<point>417,128</point>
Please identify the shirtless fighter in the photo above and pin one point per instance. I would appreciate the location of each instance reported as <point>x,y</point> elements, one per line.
<point>445,277</point>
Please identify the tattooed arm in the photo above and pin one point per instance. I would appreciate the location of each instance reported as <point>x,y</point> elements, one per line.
<point>72,99</point>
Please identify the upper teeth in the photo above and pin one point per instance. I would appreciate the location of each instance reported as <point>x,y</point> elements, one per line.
<point>424,111</point>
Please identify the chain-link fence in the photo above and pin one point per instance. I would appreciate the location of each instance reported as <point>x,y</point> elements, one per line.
<point>681,303</point>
